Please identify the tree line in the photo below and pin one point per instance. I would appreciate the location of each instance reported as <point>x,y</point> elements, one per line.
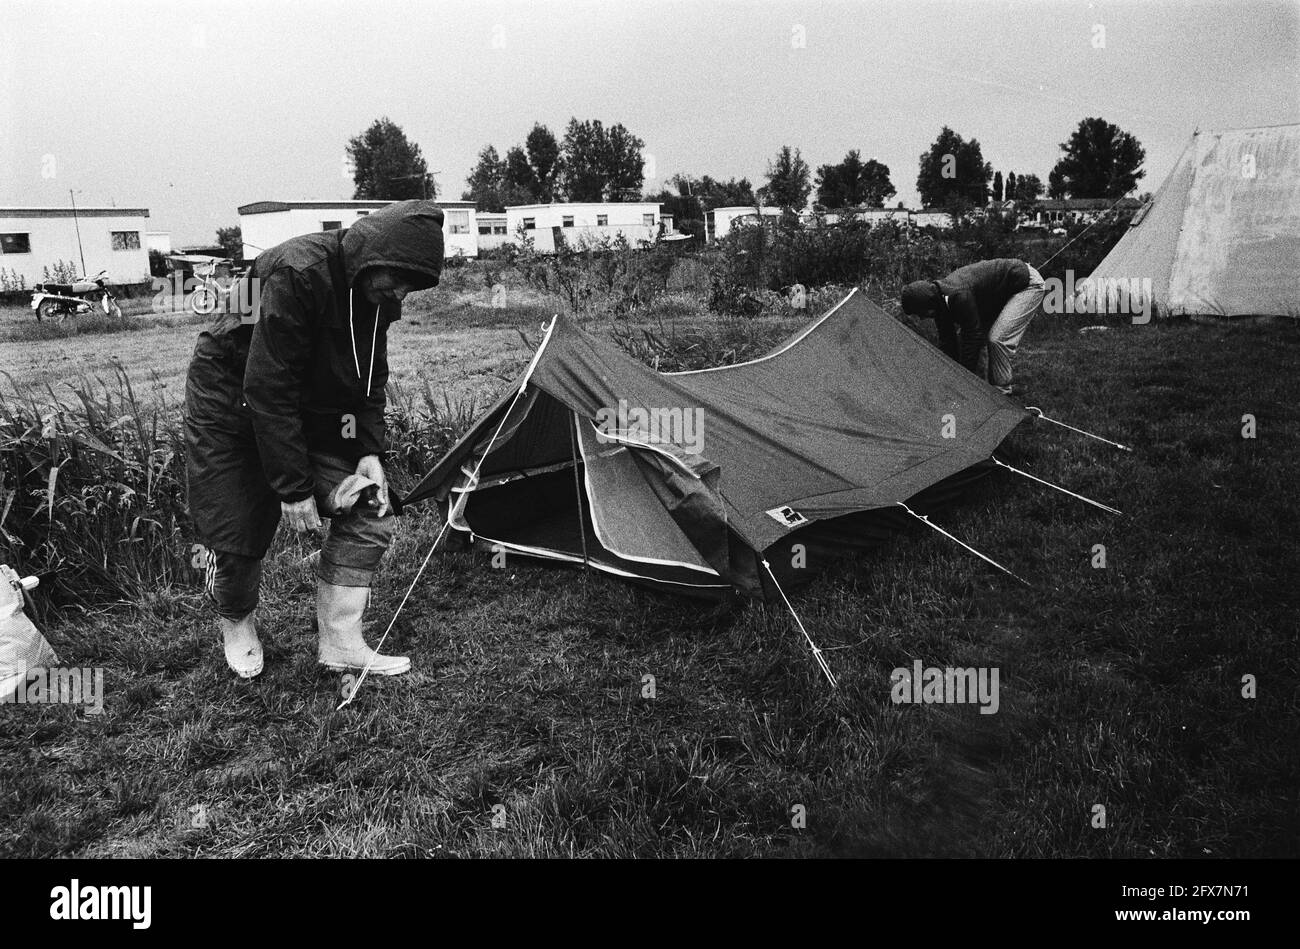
<point>1099,160</point>
<point>593,162</point>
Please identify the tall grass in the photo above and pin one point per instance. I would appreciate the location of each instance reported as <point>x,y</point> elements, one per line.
<point>422,426</point>
<point>668,347</point>
<point>94,494</point>
<point>94,491</point>
<point>25,327</point>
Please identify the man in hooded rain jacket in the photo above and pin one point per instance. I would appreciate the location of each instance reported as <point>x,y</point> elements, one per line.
<point>284,416</point>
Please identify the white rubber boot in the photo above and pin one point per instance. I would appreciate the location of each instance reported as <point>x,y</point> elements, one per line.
<point>342,647</point>
<point>243,648</point>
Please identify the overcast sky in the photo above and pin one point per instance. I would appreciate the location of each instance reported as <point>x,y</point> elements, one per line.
<point>193,108</point>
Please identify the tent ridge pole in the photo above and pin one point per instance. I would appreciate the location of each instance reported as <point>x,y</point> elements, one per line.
<point>577,490</point>
<point>546,338</point>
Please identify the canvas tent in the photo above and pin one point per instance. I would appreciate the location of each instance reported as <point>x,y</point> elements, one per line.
<point>1222,235</point>
<point>689,481</point>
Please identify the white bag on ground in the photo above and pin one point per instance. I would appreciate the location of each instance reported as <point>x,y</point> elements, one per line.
<point>22,647</point>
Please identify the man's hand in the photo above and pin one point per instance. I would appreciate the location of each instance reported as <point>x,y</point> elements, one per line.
<point>371,467</point>
<point>302,515</point>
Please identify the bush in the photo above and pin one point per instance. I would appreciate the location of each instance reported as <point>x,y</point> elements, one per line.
<point>881,257</point>
<point>1088,249</point>
<point>606,274</point>
<point>985,238</point>
<point>721,343</point>
<point>63,271</point>
<point>753,262</point>
<point>421,428</point>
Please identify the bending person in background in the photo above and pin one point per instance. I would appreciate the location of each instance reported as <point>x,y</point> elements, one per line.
<point>986,305</point>
<point>284,416</point>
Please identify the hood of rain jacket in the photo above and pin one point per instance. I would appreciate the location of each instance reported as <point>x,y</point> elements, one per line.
<point>312,368</point>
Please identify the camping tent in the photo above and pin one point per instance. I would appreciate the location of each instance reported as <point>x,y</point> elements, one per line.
<point>690,481</point>
<point>1222,235</point>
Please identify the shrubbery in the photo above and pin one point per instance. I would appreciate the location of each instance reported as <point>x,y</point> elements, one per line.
<point>1085,253</point>
<point>63,271</point>
<point>608,274</point>
<point>421,428</point>
<point>668,348</point>
<point>753,261</point>
<point>881,257</point>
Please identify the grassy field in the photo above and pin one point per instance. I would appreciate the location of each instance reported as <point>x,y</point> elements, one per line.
<point>453,344</point>
<point>523,730</point>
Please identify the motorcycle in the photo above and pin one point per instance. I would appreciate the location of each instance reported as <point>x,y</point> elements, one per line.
<point>58,301</point>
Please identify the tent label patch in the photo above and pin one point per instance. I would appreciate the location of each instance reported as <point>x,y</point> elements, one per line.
<point>787,516</point>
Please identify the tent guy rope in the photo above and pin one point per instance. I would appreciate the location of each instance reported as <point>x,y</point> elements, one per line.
<point>451,513</point>
<point>816,651</point>
<point>929,523</point>
<point>577,493</point>
<point>1039,413</point>
<point>1094,223</point>
<point>1104,507</point>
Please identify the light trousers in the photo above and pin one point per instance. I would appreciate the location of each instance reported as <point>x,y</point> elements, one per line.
<point>1010,326</point>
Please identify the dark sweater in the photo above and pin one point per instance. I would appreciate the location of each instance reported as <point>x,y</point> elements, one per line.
<point>976,295</point>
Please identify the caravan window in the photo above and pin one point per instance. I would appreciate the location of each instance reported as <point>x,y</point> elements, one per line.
<point>330,225</point>
<point>15,244</point>
<point>126,240</point>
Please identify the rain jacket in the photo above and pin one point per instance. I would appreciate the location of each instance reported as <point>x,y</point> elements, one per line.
<point>301,367</point>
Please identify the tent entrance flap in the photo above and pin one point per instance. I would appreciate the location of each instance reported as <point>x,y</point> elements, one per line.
<point>628,517</point>
<point>538,517</point>
<point>525,501</point>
